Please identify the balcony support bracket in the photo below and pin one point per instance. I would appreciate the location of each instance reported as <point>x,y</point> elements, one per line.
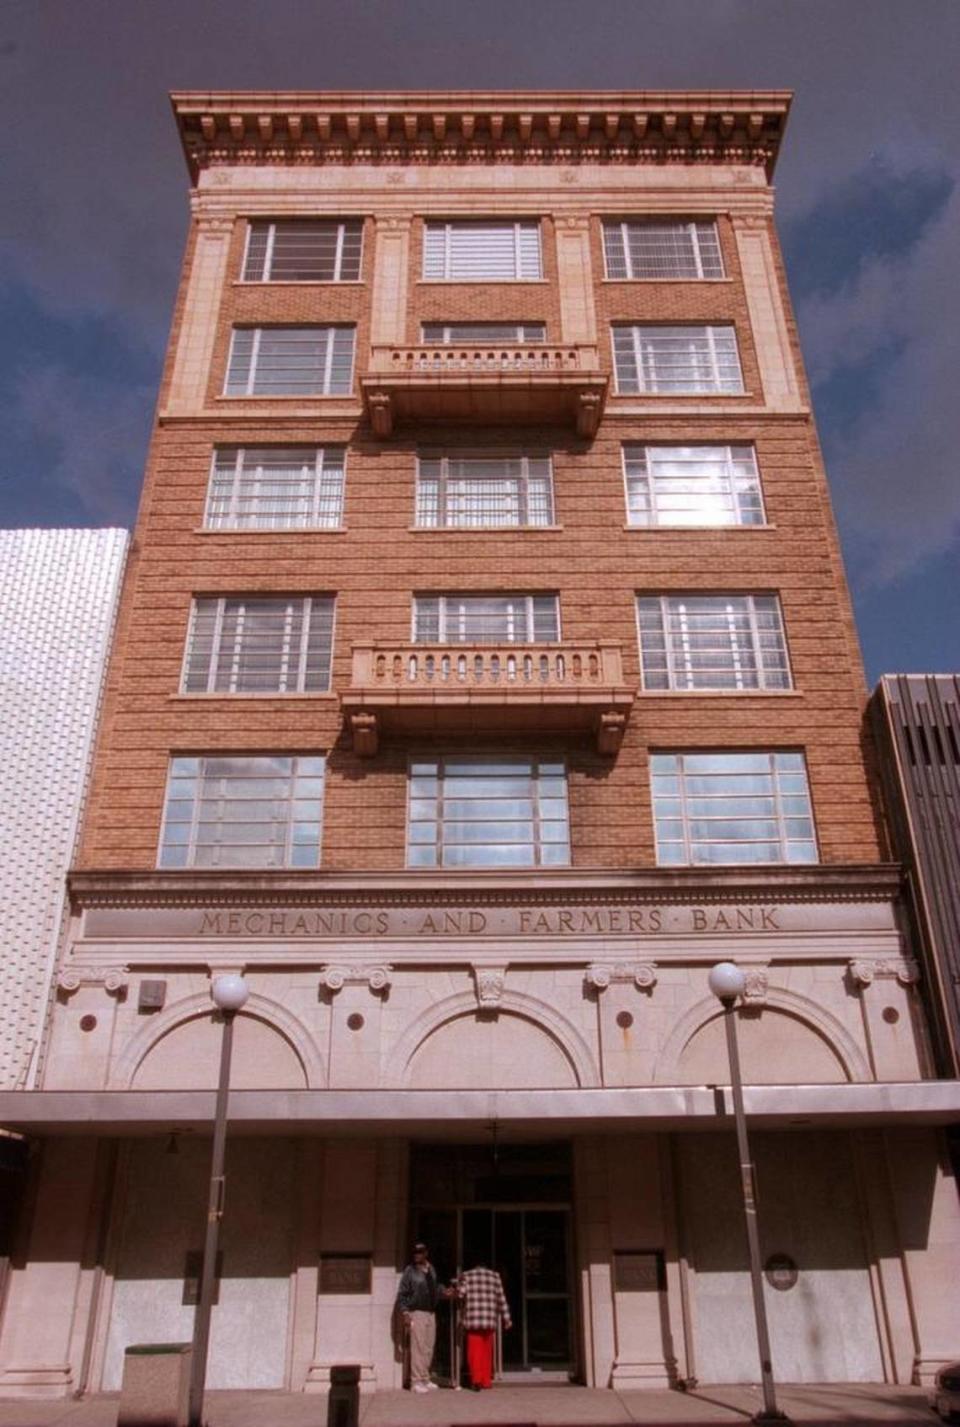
<point>610,731</point>
<point>366,734</point>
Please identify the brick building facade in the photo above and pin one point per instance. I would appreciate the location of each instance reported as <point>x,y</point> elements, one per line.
<point>485,508</point>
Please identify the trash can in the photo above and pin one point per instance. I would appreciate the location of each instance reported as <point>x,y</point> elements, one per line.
<point>343,1404</point>
<point>155,1391</point>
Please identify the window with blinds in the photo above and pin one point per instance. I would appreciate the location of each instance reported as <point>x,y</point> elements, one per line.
<point>464,491</point>
<point>481,333</point>
<point>275,488</point>
<point>258,811</point>
<point>652,248</point>
<point>660,360</point>
<point>482,252</point>
<point>290,361</point>
<point>303,250</point>
<point>732,807</point>
<point>486,619</point>
<point>692,485</point>
<point>259,645</point>
<point>479,812</point>
<point>721,642</point>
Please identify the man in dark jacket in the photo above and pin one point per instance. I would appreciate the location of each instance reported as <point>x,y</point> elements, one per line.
<point>417,1299</point>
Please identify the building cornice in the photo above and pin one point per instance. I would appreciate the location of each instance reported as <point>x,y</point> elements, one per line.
<point>853,883</point>
<point>473,127</point>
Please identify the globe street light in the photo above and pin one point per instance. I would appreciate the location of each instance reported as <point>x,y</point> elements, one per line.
<point>229,994</point>
<point>727,982</point>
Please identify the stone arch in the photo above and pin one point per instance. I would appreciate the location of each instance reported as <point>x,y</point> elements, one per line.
<point>800,1008</point>
<point>531,1009</point>
<point>263,1009</point>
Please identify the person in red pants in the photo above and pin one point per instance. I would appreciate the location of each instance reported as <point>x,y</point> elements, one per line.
<point>484,1306</point>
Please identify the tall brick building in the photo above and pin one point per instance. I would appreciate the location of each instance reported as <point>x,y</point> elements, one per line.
<point>485,673</point>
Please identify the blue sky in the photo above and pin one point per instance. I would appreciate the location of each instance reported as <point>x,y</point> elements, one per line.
<point>95,211</point>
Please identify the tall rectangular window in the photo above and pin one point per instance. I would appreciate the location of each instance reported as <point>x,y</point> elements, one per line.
<point>259,645</point>
<point>253,811</point>
<point>732,807</point>
<point>657,248</point>
<point>486,619</point>
<point>290,361</point>
<point>482,252</point>
<point>453,333</point>
<point>303,250</point>
<point>487,812</point>
<point>481,490</point>
<point>723,642</point>
<point>658,360</point>
<point>275,488</point>
<point>692,485</point>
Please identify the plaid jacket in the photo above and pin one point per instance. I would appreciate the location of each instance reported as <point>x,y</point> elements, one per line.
<point>484,1301</point>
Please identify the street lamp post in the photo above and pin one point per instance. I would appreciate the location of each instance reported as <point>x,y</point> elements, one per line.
<point>727,983</point>
<point>229,995</point>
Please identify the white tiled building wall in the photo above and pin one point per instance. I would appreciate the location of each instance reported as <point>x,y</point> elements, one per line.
<point>58,599</point>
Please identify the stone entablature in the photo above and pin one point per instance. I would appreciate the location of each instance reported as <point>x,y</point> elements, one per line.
<point>410,128</point>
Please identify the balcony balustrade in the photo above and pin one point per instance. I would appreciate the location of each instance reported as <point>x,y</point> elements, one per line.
<point>509,689</point>
<point>483,384</point>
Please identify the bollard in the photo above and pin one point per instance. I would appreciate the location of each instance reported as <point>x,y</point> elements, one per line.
<point>343,1404</point>
<point>156,1385</point>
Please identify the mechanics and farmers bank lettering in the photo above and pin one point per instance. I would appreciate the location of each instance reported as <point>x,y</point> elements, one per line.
<point>498,921</point>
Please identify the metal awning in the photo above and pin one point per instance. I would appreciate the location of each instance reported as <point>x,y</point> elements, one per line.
<point>456,1114</point>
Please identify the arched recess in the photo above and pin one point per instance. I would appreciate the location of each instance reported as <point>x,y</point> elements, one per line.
<point>269,1016</point>
<point>819,1022</point>
<point>562,1032</point>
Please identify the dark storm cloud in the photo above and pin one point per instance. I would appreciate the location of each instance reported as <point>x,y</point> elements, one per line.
<point>95,213</point>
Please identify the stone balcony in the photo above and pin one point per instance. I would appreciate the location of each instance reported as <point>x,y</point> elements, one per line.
<point>487,689</point>
<point>477,384</point>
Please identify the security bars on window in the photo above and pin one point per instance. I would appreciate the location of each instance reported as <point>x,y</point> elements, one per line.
<point>290,361</point>
<point>453,333</point>
<point>721,642</point>
<point>663,361</point>
<point>476,812</point>
<point>654,249</point>
<point>276,488</point>
<point>243,812</point>
<point>303,250</point>
<point>478,252</point>
<point>478,491</point>
<point>692,485</point>
<point>486,619</point>
<point>257,645</point>
<point>732,808</point>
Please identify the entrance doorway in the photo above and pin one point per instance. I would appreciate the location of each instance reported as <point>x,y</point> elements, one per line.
<point>507,1208</point>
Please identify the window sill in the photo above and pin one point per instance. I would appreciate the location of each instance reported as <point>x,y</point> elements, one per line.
<point>288,396</point>
<point>483,529</point>
<point>692,529</point>
<point>483,282</point>
<point>327,696</point>
<point>299,282</point>
<point>719,694</point>
<point>270,530</point>
<point>680,396</point>
<point>699,281</point>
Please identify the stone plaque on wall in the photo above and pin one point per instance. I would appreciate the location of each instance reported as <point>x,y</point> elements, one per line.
<point>345,1273</point>
<point>638,1271</point>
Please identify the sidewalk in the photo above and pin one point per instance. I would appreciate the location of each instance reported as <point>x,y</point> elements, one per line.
<point>855,1405</point>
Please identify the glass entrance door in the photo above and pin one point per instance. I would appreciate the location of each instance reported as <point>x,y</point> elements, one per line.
<point>530,1248</point>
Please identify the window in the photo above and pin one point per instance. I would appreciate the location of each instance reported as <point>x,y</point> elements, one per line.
<point>290,361</point>
<point>275,488</point>
<point>243,812</point>
<point>659,360</point>
<point>298,250</point>
<point>712,642</point>
<point>453,333</point>
<point>478,812</point>
<point>652,248</point>
<point>692,485</point>
<point>486,619</point>
<point>481,490</point>
<point>256,645</point>
<point>476,252</point>
<point>732,807</point>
